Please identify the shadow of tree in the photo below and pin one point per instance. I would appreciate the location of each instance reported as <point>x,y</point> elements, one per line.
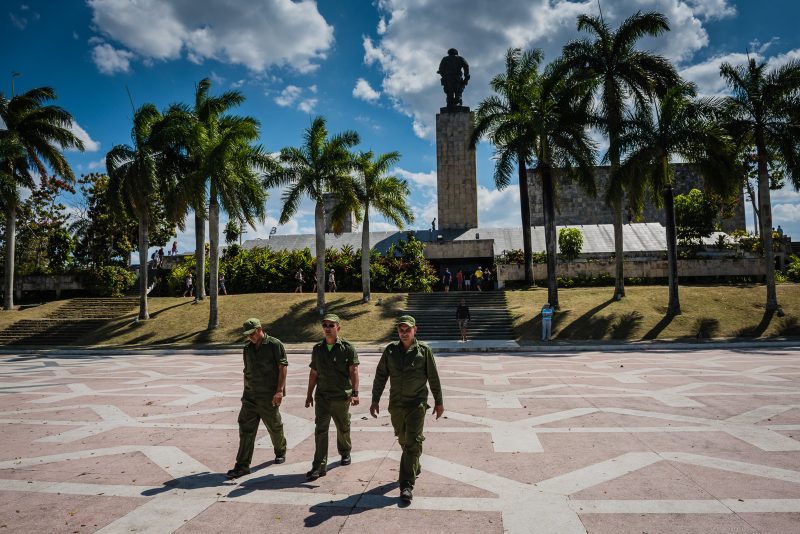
<point>659,327</point>
<point>626,326</point>
<point>705,328</point>
<point>759,329</point>
<point>788,326</point>
<point>587,326</point>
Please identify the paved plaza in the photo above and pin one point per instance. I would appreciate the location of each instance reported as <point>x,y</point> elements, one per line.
<point>619,442</point>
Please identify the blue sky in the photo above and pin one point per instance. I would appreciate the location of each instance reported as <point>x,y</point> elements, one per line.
<point>364,65</point>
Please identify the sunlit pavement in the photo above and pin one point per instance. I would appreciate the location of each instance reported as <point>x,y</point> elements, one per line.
<point>667,440</point>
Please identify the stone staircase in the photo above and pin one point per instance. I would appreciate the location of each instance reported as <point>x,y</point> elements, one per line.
<point>436,315</point>
<point>68,323</point>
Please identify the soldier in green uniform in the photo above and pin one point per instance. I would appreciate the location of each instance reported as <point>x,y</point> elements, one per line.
<point>265,366</point>
<point>334,374</point>
<point>409,366</point>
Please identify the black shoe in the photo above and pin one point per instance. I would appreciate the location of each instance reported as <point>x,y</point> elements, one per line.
<point>280,459</point>
<point>237,472</point>
<point>314,474</point>
<point>406,495</point>
<point>346,460</point>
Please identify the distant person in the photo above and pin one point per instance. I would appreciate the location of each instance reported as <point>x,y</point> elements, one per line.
<point>460,280</point>
<point>332,389</point>
<point>332,281</point>
<point>478,278</point>
<point>463,317</point>
<point>780,231</point>
<point>188,286</point>
<point>547,321</point>
<point>487,279</point>
<point>160,256</point>
<point>298,277</point>
<point>467,281</point>
<point>174,251</point>
<point>265,367</point>
<point>447,279</point>
<point>222,284</point>
<point>408,396</point>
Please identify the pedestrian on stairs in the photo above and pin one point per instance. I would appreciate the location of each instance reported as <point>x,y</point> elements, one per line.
<point>463,318</point>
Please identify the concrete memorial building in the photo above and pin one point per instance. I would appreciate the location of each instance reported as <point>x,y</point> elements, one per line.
<point>460,243</point>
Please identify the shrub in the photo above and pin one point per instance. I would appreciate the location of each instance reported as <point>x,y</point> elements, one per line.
<point>570,243</point>
<point>110,281</point>
<point>793,269</point>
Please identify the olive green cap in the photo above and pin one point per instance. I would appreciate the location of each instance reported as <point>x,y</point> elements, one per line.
<point>407,319</point>
<point>331,317</point>
<point>251,325</point>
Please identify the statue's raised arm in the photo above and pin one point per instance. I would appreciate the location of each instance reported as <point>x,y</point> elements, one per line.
<point>454,71</point>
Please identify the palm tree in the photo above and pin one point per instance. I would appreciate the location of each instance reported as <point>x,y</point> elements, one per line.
<point>320,165</point>
<point>34,138</point>
<point>620,72</point>
<point>134,181</point>
<point>503,118</point>
<point>561,110</point>
<point>764,112</point>
<point>386,194</point>
<point>685,128</point>
<point>215,154</point>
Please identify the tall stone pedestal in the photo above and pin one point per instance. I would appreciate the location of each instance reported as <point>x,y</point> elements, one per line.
<point>456,170</point>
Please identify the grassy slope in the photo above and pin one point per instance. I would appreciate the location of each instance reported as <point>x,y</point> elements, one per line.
<point>586,314</point>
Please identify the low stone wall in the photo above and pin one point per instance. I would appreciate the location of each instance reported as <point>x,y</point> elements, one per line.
<point>56,283</point>
<point>646,268</point>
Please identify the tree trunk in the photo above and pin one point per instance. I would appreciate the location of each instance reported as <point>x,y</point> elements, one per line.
<point>674,307</point>
<point>319,230</point>
<point>144,268</point>
<point>11,235</point>
<point>765,217</point>
<point>213,264</point>
<point>365,290</point>
<point>548,208</point>
<point>525,207</point>
<point>199,257</point>
<point>754,203</point>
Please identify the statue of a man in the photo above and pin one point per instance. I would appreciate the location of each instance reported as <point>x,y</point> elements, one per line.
<point>450,68</point>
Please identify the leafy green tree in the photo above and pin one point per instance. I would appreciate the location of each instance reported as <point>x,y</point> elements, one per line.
<point>320,165</point>
<point>386,194</point>
<point>685,128</point>
<point>763,112</point>
<point>620,73</point>
<point>135,180</point>
<point>34,138</point>
<point>232,232</point>
<point>695,217</point>
<point>570,243</point>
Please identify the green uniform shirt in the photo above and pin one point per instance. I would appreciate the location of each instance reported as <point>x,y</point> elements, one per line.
<point>261,368</point>
<point>333,368</point>
<point>409,372</point>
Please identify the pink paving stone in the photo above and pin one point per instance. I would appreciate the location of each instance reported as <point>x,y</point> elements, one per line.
<point>666,524</point>
<point>772,522</point>
<point>43,512</point>
<point>728,485</point>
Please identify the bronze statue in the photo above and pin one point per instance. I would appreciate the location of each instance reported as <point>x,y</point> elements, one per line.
<point>453,83</point>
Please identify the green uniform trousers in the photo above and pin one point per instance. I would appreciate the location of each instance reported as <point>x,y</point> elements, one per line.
<point>249,416</point>
<point>408,422</point>
<point>324,411</point>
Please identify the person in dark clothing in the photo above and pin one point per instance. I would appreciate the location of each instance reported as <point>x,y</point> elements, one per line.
<point>463,318</point>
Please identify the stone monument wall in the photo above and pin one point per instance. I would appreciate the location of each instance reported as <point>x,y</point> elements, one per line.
<point>348,224</point>
<point>456,170</point>
<point>574,206</point>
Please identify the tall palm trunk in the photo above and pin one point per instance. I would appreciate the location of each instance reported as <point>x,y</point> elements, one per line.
<point>319,230</point>
<point>11,232</point>
<point>144,226</point>
<point>213,264</point>
<point>548,208</point>
<point>525,206</point>
<point>674,306</point>
<point>365,255</point>
<point>765,216</point>
<point>199,257</point>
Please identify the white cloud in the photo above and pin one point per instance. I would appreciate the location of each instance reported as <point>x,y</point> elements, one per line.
<point>422,179</point>
<point>89,144</point>
<point>412,38</point>
<point>706,74</point>
<point>499,209</point>
<point>364,91</point>
<point>288,96</point>
<point>99,164</point>
<point>258,35</point>
<point>786,213</point>
<point>109,60</point>
<point>307,105</point>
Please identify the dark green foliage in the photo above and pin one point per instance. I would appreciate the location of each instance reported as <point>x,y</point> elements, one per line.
<point>793,269</point>
<point>517,257</point>
<point>110,281</point>
<point>695,216</point>
<point>570,243</point>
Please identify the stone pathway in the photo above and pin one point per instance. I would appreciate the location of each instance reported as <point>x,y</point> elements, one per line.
<point>662,441</point>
